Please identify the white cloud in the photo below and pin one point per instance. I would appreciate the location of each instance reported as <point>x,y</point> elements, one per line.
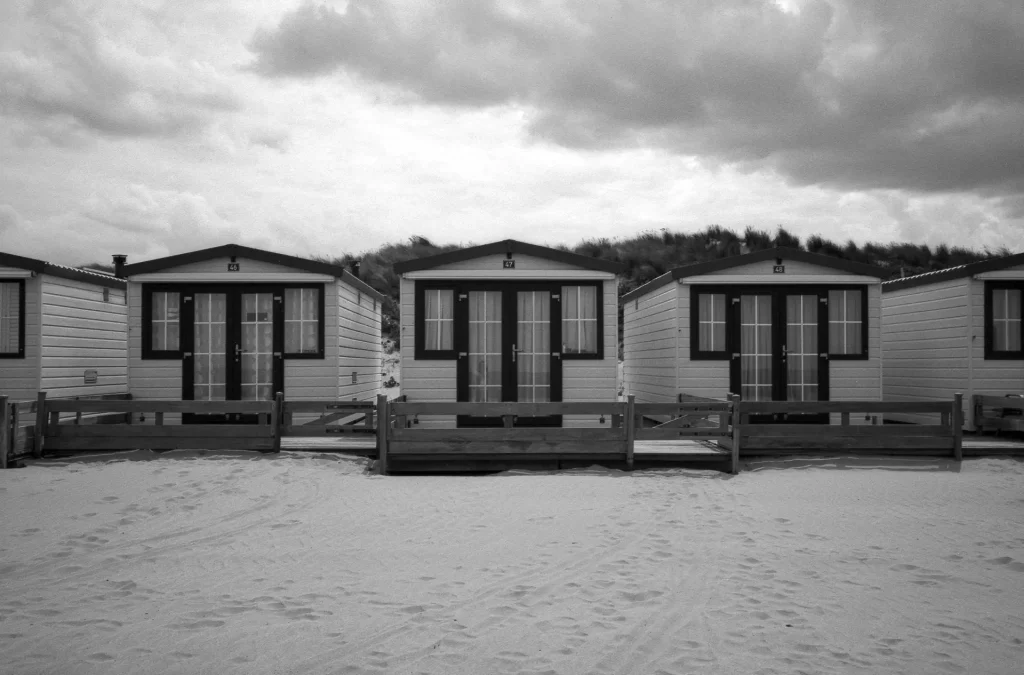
<point>139,221</point>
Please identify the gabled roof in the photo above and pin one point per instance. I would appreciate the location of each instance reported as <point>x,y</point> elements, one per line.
<point>958,272</point>
<point>63,271</point>
<point>711,266</point>
<point>509,246</point>
<point>227,250</point>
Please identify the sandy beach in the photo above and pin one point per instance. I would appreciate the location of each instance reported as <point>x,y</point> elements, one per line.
<point>191,562</point>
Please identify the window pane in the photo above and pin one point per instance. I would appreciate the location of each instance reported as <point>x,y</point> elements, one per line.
<point>579,320</point>
<point>310,337</point>
<point>845,322</point>
<point>292,304</point>
<point>1013,331</point>
<point>437,319</point>
<point>164,321</point>
<point>301,319</point>
<point>711,321</point>
<point>1006,319</point>
<point>160,306</point>
<point>311,304</point>
<point>588,302</point>
<point>10,318</point>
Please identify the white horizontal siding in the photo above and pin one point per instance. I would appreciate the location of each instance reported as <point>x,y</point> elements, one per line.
<point>650,336</point>
<point>96,341</point>
<point>360,352</point>
<point>697,378</point>
<point>217,265</point>
<point>925,337</point>
<point>595,380</point>
<point>496,262</point>
<point>436,380</point>
<point>794,268</point>
<point>422,380</point>
<point>317,379</point>
<point>861,380</point>
<point>148,379</point>
<point>995,377</point>
<point>20,378</point>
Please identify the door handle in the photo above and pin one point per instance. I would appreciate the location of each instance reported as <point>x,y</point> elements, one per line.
<point>514,351</point>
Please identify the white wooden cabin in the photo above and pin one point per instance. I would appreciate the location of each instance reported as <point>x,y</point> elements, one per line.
<point>509,321</point>
<point>955,330</point>
<point>779,324</point>
<point>239,323</point>
<point>63,330</point>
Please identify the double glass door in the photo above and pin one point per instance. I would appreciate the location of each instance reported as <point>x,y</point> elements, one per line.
<point>232,348</point>
<point>781,351</point>
<point>509,350</point>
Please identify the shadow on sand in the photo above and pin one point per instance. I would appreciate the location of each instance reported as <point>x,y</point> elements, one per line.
<point>849,462</point>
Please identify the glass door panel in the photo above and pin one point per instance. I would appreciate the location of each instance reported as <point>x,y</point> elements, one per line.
<point>800,353</point>
<point>209,363</point>
<point>756,347</point>
<point>532,349</point>
<point>256,350</point>
<point>484,354</point>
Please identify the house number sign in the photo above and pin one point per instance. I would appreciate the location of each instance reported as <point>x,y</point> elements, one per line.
<point>509,264</point>
<point>778,269</point>
<point>233,267</point>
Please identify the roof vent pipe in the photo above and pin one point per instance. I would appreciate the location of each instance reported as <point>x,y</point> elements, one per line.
<point>354,267</point>
<point>119,260</point>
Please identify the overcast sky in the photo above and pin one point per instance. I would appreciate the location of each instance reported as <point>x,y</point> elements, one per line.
<point>151,128</point>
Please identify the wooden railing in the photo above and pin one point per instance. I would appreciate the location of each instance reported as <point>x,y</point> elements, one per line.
<point>333,418</point>
<point>786,438</point>
<point>118,422</point>
<point>615,428</point>
<point>260,435</point>
<point>402,437</point>
<point>21,428</point>
<point>691,418</point>
<point>998,413</point>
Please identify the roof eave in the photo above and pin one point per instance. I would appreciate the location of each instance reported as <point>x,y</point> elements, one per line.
<point>509,246</point>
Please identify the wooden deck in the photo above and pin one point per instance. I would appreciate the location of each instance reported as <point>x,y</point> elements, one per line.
<point>364,444</point>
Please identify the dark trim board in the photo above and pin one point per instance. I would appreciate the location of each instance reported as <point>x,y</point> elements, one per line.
<point>959,272</point>
<point>228,250</point>
<point>20,354</point>
<point>72,273</point>
<point>990,354</point>
<point>712,266</point>
<point>185,325</point>
<point>509,247</point>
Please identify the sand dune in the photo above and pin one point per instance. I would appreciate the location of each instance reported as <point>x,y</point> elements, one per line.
<point>231,563</point>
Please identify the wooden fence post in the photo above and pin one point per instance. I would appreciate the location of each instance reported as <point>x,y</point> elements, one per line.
<point>383,419</point>
<point>5,431</point>
<point>735,433</point>
<point>37,442</point>
<point>958,427</point>
<point>275,420</point>
<point>630,430</point>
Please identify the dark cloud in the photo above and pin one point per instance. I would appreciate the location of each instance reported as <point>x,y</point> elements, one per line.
<point>857,94</point>
<point>65,75</point>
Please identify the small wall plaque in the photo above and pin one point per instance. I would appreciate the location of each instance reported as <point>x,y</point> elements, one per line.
<point>91,377</point>
<point>778,269</point>
<point>233,267</point>
<point>508,264</point>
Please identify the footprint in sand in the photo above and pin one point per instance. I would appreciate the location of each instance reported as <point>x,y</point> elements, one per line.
<point>1009,562</point>
<point>100,657</point>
